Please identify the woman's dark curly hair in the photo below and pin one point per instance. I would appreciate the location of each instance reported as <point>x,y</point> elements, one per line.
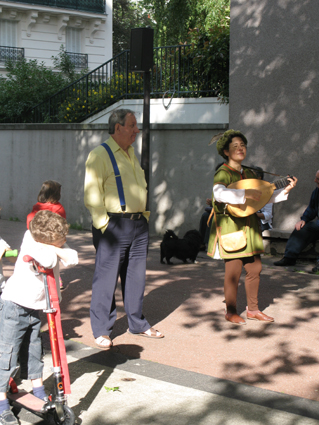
<point>224,142</point>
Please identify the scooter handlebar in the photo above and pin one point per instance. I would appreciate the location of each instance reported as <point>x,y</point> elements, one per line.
<point>41,269</point>
<point>27,258</point>
<point>11,253</point>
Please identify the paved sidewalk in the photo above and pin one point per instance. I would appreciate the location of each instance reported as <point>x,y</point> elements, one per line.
<point>109,389</point>
<point>205,370</point>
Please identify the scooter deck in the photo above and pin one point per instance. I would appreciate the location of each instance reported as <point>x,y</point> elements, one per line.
<point>27,400</point>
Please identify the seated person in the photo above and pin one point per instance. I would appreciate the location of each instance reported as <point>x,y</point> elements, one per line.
<point>206,219</point>
<point>306,230</point>
<point>204,224</point>
<point>265,213</point>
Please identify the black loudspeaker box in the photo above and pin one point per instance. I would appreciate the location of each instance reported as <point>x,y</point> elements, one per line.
<point>141,52</point>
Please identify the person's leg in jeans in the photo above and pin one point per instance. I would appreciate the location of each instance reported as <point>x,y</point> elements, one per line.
<point>14,325</point>
<point>15,322</point>
<point>299,239</point>
<point>30,355</point>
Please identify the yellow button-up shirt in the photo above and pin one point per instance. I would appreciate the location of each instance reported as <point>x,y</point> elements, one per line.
<point>100,189</point>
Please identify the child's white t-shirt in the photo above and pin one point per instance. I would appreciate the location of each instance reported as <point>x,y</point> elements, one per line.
<point>25,287</point>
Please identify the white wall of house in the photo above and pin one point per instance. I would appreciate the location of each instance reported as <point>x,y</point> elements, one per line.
<point>41,30</point>
<point>178,111</point>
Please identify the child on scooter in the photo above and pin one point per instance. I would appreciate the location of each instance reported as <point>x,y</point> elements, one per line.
<point>21,300</point>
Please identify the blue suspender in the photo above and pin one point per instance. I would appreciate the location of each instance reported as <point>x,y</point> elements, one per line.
<point>117,176</point>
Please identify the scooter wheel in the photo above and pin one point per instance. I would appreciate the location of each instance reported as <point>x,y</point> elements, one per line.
<point>69,417</point>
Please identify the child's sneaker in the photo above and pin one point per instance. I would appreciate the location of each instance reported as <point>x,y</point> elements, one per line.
<point>8,418</point>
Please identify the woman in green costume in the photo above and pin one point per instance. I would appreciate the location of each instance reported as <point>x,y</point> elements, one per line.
<point>232,146</point>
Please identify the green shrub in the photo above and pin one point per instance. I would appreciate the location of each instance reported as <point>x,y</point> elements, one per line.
<point>29,83</point>
<point>76,226</point>
<point>99,96</point>
<point>26,84</point>
<point>210,53</point>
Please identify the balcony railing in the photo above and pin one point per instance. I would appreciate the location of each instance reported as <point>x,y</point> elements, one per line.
<point>10,53</point>
<point>79,60</point>
<point>175,73</point>
<point>95,6</point>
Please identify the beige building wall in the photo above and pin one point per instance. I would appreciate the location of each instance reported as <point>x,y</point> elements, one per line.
<point>274,86</point>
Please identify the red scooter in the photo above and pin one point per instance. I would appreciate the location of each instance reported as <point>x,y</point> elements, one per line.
<point>55,409</point>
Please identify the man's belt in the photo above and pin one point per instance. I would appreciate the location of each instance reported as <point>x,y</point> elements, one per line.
<point>131,216</point>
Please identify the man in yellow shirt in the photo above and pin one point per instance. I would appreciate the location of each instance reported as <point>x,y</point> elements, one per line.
<point>120,234</point>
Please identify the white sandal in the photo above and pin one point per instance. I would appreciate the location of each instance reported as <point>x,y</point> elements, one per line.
<point>150,333</point>
<point>103,342</point>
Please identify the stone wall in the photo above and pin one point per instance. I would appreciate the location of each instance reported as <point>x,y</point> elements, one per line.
<point>182,169</point>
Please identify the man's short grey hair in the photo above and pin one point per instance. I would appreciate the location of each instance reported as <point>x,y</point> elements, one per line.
<point>118,117</point>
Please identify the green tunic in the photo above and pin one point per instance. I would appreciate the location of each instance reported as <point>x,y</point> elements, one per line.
<point>227,223</point>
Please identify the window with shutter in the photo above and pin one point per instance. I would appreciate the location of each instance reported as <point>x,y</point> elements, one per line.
<point>8,41</point>
<point>8,33</point>
<point>73,47</point>
<point>73,40</point>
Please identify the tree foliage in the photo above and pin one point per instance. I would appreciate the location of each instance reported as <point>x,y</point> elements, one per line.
<point>26,84</point>
<point>173,19</point>
<point>210,48</point>
<point>170,20</point>
<point>63,63</point>
<point>202,23</point>
<point>127,14</point>
<point>212,13</point>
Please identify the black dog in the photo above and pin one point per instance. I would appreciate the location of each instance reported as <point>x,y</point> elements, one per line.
<point>188,247</point>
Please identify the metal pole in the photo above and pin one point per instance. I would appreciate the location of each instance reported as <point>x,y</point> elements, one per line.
<point>145,157</point>
<point>141,60</point>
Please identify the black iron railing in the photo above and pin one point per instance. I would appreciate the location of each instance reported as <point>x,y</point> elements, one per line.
<point>95,6</point>
<point>175,73</point>
<point>11,53</point>
<point>79,60</point>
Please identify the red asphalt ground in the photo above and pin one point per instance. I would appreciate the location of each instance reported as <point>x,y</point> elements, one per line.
<point>185,302</point>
